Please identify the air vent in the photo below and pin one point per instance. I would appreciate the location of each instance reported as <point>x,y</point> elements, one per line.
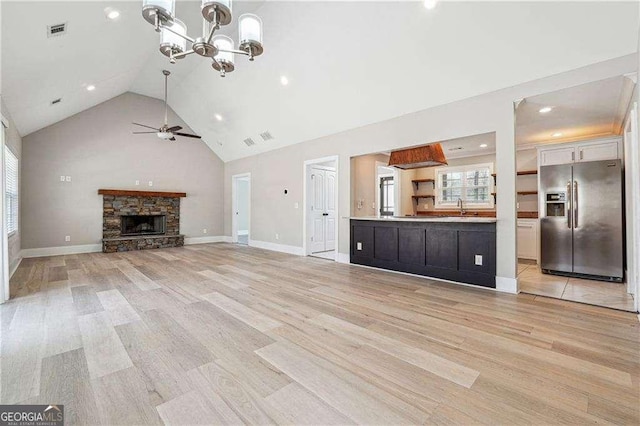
<point>249,141</point>
<point>266,136</point>
<point>457,148</point>
<point>56,101</point>
<point>56,30</point>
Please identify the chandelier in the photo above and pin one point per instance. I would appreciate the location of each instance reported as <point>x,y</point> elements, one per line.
<point>216,13</point>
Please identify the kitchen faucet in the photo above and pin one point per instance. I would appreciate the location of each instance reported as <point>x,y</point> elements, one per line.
<point>459,204</point>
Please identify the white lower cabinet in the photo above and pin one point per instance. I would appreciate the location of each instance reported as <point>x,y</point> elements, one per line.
<point>528,239</point>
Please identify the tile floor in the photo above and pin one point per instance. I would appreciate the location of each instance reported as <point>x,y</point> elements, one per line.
<point>610,295</point>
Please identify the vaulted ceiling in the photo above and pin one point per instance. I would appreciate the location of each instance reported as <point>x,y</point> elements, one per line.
<point>348,63</point>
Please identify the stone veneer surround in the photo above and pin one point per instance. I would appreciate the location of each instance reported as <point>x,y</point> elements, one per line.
<point>118,203</point>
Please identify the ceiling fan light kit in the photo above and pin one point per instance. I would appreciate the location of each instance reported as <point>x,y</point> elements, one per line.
<point>216,13</point>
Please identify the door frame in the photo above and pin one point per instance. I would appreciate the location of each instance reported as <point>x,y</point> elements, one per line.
<point>4,237</point>
<point>396,190</point>
<point>234,205</point>
<point>632,168</point>
<point>306,166</point>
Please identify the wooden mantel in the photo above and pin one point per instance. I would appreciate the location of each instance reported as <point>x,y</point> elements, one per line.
<point>127,193</point>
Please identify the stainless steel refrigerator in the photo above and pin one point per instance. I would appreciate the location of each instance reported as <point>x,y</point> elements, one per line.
<point>581,222</point>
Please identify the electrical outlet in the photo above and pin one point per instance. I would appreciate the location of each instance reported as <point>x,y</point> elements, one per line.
<point>358,246</point>
<point>150,183</point>
<point>277,236</point>
<point>296,205</point>
<point>204,231</point>
<point>137,182</point>
<point>479,259</point>
<point>517,205</point>
<point>67,238</point>
<point>62,178</point>
<point>68,178</point>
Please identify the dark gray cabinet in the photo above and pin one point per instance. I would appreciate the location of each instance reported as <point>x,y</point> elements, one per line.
<point>457,251</point>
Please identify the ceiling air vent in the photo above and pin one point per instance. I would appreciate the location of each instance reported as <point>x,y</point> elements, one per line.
<point>56,30</point>
<point>249,142</point>
<point>56,101</point>
<point>266,136</point>
<point>456,148</point>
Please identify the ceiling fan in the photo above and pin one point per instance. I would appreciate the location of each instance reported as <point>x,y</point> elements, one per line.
<point>165,132</point>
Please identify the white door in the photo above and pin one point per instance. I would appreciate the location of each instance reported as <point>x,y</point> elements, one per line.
<point>322,210</point>
<point>330,210</point>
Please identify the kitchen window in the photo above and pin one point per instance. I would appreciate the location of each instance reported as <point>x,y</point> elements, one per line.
<point>11,191</point>
<point>472,184</point>
<point>386,195</point>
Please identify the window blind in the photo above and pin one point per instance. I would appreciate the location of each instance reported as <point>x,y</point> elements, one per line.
<point>11,193</point>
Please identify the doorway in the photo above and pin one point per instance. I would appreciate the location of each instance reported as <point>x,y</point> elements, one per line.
<point>241,196</point>
<point>321,207</point>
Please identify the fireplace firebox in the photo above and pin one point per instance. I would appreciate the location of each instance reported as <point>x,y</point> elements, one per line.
<point>142,225</point>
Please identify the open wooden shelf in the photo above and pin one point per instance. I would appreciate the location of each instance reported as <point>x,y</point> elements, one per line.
<point>417,197</point>
<point>417,182</point>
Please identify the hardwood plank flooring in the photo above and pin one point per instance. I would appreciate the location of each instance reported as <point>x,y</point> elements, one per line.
<point>230,334</point>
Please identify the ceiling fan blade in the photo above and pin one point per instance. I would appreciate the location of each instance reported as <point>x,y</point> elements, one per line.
<point>174,129</point>
<point>144,125</point>
<point>143,133</point>
<point>188,135</point>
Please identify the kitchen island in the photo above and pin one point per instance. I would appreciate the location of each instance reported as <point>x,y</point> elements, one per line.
<point>456,248</point>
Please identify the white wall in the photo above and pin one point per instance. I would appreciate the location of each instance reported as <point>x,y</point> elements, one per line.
<point>98,150</point>
<point>14,142</point>
<point>493,112</point>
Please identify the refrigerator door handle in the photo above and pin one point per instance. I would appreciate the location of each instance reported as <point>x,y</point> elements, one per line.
<point>569,205</point>
<point>575,203</point>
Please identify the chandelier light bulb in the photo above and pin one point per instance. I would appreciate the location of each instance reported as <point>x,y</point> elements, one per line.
<point>91,87</point>
<point>112,13</point>
<point>430,4</point>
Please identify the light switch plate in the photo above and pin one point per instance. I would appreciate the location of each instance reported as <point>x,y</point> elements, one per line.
<point>479,259</point>
<point>137,182</point>
<point>68,178</point>
<point>150,183</point>
<point>204,231</point>
<point>67,238</point>
<point>358,246</point>
<point>296,205</point>
<point>62,178</point>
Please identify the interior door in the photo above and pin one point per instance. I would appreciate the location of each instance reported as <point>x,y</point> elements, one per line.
<point>317,210</point>
<point>598,210</point>
<point>330,210</point>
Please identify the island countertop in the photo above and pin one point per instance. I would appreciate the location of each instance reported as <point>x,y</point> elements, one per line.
<point>446,219</point>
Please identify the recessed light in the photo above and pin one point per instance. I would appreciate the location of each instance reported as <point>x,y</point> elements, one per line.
<point>545,110</point>
<point>557,134</point>
<point>218,117</point>
<point>112,13</point>
<point>483,145</point>
<point>430,4</point>
<point>284,80</point>
<point>91,87</point>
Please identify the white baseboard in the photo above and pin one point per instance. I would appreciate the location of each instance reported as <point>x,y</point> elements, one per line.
<point>205,240</point>
<point>283,248</point>
<point>343,258</point>
<point>507,285</point>
<point>15,267</point>
<point>57,251</point>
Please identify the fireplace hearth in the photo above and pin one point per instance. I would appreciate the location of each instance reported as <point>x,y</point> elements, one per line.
<point>142,225</point>
<point>140,220</point>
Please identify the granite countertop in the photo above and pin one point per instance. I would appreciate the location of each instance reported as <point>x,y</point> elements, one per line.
<point>452,219</point>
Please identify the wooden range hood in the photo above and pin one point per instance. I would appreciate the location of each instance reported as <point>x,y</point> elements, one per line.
<point>415,158</point>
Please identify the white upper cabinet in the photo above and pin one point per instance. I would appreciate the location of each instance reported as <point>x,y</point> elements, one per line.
<point>599,151</point>
<point>609,149</point>
<point>549,157</point>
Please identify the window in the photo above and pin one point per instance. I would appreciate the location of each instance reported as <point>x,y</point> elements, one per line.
<point>386,195</point>
<point>11,193</point>
<point>472,184</point>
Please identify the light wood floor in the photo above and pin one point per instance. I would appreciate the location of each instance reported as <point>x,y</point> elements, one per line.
<point>229,334</point>
<point>600,293</point>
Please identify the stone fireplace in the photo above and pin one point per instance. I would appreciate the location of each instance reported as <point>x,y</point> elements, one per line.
<point>138,220</point>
